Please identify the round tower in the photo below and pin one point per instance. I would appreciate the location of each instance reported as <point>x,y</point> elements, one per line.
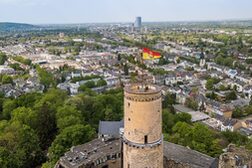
<point>142,140</point>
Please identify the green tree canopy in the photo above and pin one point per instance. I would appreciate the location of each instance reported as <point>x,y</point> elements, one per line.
<point>70,136</point>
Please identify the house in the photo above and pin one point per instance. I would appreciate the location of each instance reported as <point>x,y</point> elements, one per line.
<point>217,74</point>
<point>6,70</point>
<point>181,98</point>
<point>72,88</point>
<point>159,79</point>
<point>196,115</point>
<point>228,124</point>
<point>201,100</point>
<point>246,131</point>
<point>112,81</point>
<point>110,129</point>
<point>13,93</point>
<point>170,79</point>
<point>244,78</point>
<point>76,74</point>
<point>247,90</point>
<point>6,88</point>
<point>176,90</point>
<point>182,109</point>
<point>214,66</point>
<point>215,107</point>
<point>239,85</point>
<point>239,103</point>
<point>248,124</point>
<point>212,123</point>
<point>231,73</point>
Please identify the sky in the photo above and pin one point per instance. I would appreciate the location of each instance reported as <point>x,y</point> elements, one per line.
<point>94,11</point>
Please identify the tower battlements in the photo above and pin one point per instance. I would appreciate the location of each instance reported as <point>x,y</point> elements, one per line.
<point>142,93</point>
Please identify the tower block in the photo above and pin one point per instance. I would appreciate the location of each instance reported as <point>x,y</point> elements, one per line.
<point>143,139</point>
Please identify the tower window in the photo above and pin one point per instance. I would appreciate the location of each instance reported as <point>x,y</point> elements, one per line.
<point>128,119</point>
<point>128,104</point>
<point>145,139</point>
<point>128,165</point>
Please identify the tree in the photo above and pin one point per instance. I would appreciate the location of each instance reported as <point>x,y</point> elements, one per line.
<point>25,116</point>
<point>119,57</point>
<point>126,70</point>
<point>46,108</point>
<point>22,60</point>
<point>90,84</point>
<point>169,100</point>
<point>3,58</point>
<point>237,113</point>
<point>8,106</point>
<point>162,61</point>
<point>197,137</point>
<point>70,136</point>
<point>235,137</point>
<point>231,95</point>
<point>211,95</point>
<point>7,79</point>
<point>101,82</point>
<point>168,121</point>
<point>210,84</point>
<point>108,113</point>
<point>28,100</point>
<point>21,147</point>
<point>16,67</point>
<point>183,117</point>
<point>67,116</point>
<point>182,134</point>
<point>247,110</point>
<point>191,103</point>
<point>45,77</point>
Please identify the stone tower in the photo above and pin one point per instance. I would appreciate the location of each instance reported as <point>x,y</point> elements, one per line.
<point>143,139</point>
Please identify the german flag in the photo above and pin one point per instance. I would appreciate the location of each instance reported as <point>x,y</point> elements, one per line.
<point>156,55</point>
<point>146,54</point>
<point>149,54</point>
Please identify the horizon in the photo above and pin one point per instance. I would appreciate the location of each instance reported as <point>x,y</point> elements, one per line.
<point>112,11</point>
<point>128,22</point>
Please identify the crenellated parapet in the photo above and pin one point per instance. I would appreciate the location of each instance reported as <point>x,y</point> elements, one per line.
<point>142,93</point>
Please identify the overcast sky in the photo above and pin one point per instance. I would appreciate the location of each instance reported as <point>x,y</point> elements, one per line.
<point>86,11</point>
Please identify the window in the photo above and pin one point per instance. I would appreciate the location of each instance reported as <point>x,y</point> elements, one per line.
<point>145,139</point>
<point>128,104</point>
<point>128,119</point>
<point>128,165</point>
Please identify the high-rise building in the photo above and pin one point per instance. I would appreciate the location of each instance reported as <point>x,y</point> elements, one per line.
<point>142,140</point>
<point>138,22</point>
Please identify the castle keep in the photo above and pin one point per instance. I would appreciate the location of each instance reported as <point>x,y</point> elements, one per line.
<point>142,140</point>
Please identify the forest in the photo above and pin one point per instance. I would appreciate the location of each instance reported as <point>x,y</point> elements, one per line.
<point>38,128</point>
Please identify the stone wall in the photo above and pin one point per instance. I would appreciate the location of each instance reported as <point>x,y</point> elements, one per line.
<point>173,164</point>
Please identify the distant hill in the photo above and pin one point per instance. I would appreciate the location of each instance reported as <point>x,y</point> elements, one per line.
<point>6,26</point>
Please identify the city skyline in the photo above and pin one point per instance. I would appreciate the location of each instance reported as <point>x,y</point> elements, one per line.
<point>97,11</point>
